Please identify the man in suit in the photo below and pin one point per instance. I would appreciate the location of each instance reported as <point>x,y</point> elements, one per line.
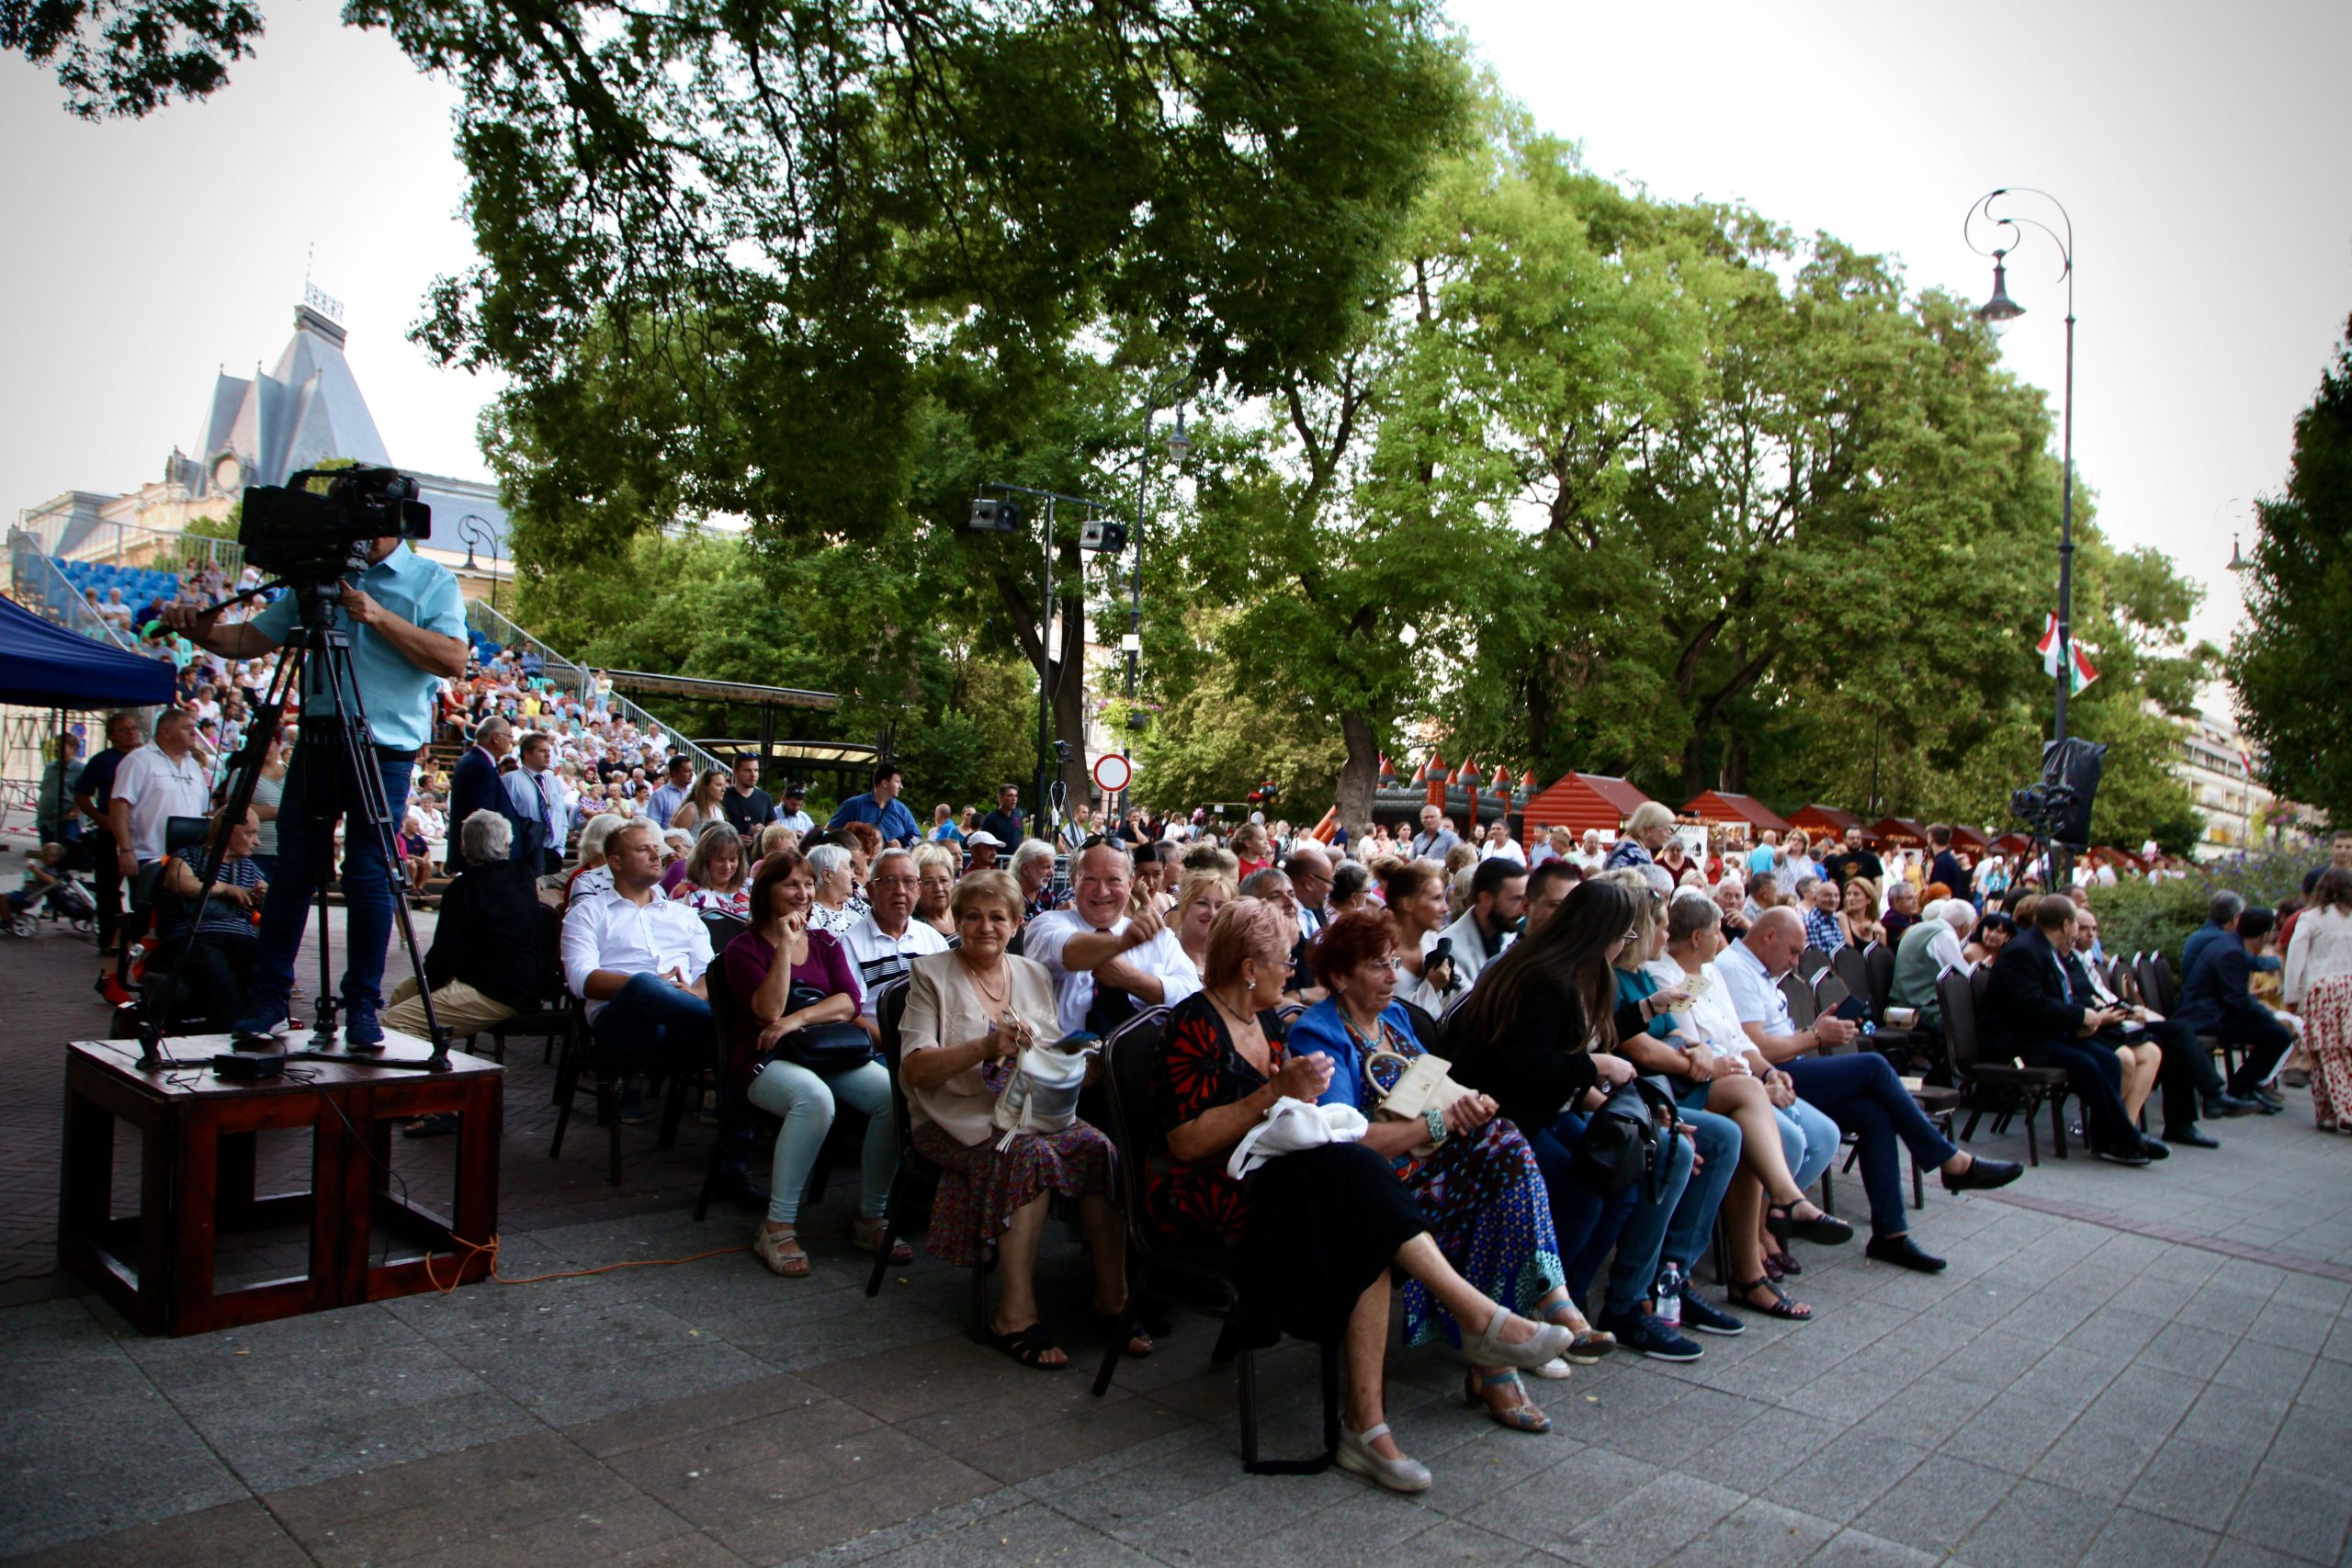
<point>2186,1079</point>
<point>539,843</point>
<point>2219,1000</point>
<point>475,785</point>
<point>2032,1014</point>
<point>2222,914</point>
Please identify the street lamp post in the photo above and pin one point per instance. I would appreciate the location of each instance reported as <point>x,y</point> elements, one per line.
<point>2006,230</point>
<point>1179,446</point>
<point>475,529</point>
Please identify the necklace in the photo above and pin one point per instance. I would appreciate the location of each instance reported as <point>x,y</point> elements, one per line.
<point>992,998</point>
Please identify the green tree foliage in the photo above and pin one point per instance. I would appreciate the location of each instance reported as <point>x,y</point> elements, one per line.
<point>2287,662</point>
<point>1232,731</point>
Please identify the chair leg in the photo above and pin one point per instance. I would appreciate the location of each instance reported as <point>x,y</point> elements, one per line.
<point>893,1218</point>
<point>979,1302</point>
<point>2032,1139</point>
<point>1918,1188</point>
<point>710,1172</point>
<point>567,1084</point>
<point>1118,1345</point>
<point>2058,1123</point>
<point>608,1112</point>
<point>1249,1360</point>
<point>1975,1114</point>
<point>1330,1349</point>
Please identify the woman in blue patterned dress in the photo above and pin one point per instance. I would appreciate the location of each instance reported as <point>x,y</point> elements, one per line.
<point>1479,1188</point>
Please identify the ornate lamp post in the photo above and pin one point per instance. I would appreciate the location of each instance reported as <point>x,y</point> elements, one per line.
<point>475,529</point>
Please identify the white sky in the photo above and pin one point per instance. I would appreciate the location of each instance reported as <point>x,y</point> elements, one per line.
<point>2195,146</point>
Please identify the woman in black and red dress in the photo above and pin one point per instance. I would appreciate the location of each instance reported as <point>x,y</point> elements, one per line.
<point>1318,1229</point>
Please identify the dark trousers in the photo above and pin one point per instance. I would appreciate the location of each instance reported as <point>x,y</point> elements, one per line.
<point>1588,1222</point>
<point>307,811</point>
<point>2097,1078</point>
<point>2188,1075</point>
<point>2265,1044</point>
<point>212,980</point>
<point>106,882</point>
<point>650,1018</point>
<point>1862,1092</point>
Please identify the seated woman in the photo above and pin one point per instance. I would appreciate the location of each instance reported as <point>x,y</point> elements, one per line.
<point>837,907</point>
<point>1318,1229</point>
<point>220,964</point>
<point>1198,898</point>
<point>969,1011</point>
<point>1478,1189</point>
<point>1858,920</point>
<point>1414,892</point>
<point>936,865</point>
<point>717,883</point>
<point>1993,934</point>
<point>780,955</point>
<point>1785,1145</point>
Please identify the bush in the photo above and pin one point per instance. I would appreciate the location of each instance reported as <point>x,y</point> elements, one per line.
<point>2138,916</point>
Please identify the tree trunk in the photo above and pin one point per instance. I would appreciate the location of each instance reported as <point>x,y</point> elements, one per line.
<point>1360,775</point>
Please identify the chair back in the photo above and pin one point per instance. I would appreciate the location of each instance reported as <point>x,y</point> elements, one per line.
<point>1128,1053</point>
<point>1878,962</point>
<point>2155,984</point>
<point>1425,1028</point>
<point>1849,966</point>
<point>1810,961</point>
<point>1957,1000</point>
<point>723,929</point>
<point>1980,980</point>
<point>1802,1008</point>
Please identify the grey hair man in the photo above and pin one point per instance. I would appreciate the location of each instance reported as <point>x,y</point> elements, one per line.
<point>487,962</point>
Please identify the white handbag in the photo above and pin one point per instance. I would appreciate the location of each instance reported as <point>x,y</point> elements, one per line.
<point>1041,1096</point>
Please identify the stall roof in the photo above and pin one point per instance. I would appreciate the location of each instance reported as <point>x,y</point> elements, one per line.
<point>1900,831</point>
<point>1964,837</point>
<point>842,754</point>
<point>1824,818</point>
<point>1721,806</point>
<point>1581,801</point>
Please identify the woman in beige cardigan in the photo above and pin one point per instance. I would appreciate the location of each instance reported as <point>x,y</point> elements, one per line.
<point>969,1012</point>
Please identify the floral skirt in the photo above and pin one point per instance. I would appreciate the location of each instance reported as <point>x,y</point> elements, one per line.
<point>1488,1212</point>
<point>2327,1032</point>
<point>981,1190</point>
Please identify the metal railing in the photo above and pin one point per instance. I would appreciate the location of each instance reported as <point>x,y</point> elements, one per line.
<point>38,583</point>
<point>578,679</point>
<point>132,544</point>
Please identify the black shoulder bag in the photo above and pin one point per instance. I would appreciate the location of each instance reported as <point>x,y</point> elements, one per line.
<point>822,1047</point>
<point>1623,1142</point>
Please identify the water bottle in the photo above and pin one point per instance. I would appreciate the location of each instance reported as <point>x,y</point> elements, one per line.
<point>1669,1294</point>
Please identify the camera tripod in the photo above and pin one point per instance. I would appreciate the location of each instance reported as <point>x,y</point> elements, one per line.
<point>340,776</point>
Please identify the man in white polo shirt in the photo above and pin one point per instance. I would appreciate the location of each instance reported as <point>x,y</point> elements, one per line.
<point>637,961</point>
<point>159,780</point>
<point>1107,963</point>
<point>889,938</point>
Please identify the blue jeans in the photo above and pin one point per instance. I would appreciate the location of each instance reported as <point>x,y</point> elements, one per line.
<point>649,1016</point>
<point>1860,1092</point>
<point>1586,1220</point>
<point>804,1100</point>
<point>1679,1229</point>
<point>1808,1141</point>
<point>306,854</point>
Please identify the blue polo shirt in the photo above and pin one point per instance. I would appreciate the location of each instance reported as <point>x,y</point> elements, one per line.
<point>894,821</point>
<point>399,695</point>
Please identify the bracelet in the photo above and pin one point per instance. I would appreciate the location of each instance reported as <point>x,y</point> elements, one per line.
<point>1436,1121</point>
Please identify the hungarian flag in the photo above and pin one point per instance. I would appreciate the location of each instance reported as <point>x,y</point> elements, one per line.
<point>2048,648</point>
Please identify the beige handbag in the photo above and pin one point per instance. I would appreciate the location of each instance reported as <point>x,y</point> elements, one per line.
<point>1424,1085</point>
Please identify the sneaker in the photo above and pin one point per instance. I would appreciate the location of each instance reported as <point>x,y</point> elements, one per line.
<point>1705,1316</point>
<point>262,1018</point>
<point>362,1027</point>
<point>1641,1331</point>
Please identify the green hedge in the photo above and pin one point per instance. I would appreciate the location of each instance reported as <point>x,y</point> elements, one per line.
<point>2137,916</point>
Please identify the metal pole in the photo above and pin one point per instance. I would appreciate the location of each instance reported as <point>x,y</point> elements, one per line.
<point>2058,857</point>
<point>1135,605</point>
<point>1045,687</point>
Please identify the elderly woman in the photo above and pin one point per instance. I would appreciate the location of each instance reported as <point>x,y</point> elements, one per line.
<point>1858,920</point>
<point>1478,1186</point>
<point>1033,869</point>
<point>836,907</point>
<point>1319,1228</point>
<point>775,838</point>
<point>1647,832</point>
<point>783,977</point>
<point>1413,893</point>
<point>935,870</point>
<point>221,962</point>
<point>1785,1145</point>
<point>969,1012</point>
<point>717,883</point>
<point>1351,889</point>
<point>591,874</point>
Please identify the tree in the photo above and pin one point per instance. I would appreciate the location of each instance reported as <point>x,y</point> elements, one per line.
<point>2287,661</point>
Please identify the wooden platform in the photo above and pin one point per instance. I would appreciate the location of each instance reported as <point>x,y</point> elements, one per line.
<point>198,1141</point>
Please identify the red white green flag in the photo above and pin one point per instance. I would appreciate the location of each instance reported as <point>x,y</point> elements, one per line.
<point>2084,674</point>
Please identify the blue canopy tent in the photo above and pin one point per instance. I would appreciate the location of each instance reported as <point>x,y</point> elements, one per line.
<point>48,666</point>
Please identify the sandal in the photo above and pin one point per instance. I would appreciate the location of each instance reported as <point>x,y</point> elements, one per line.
<point>1590,1345</point>
<point>1784,1306</point>
<point>1030,1347</point>
<point>866,1236</point>
<point>1137,1341</point>
<point>1523,1417</point>
<point>771,1248</point>
<point>1821,1230</point>
<point>1782,1265</point>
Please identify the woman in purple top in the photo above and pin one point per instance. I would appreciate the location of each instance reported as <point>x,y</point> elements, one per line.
<point>761,1017</point>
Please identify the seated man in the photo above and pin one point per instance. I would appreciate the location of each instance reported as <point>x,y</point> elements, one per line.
<point>2219,1001</point>
<point>1859,1090</point>
<point>1106,962</point>
<point>637,961</point>
<point>885,943</point>
<point>484,962</point>
<point>2032,1015</point>
<point>1497,900</point>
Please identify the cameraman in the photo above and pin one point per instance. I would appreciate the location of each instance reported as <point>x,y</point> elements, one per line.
<point>406,622</point>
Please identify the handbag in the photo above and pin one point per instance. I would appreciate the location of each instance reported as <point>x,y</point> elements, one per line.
<point>820,1047</point>
<point>1040,1097</point>
<point>1424,1083</point>
<point>1623,1143</point>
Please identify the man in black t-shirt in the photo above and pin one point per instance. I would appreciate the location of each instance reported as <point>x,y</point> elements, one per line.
<point>745,805</point>
<point>1946,867</point>
<point>1005,820</point>
<point>1854,861</point>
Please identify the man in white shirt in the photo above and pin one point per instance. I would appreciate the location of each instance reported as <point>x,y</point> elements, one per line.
<point>1436,840</point>
<point>1105,963</point>
<point>1591,856</point>
<point>791,813</point>
<point>160,780</point>
<point>890,938</point>
<point>537,802</point>
<point>1859,1089</point>
<point>637,961</point>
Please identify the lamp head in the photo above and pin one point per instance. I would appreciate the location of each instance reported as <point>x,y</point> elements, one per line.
<point>2000,309</point>
<point>1180,446</point>
<point>2238,556</point>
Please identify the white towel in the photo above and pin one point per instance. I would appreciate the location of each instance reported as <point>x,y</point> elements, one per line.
<point>1290,1126</point>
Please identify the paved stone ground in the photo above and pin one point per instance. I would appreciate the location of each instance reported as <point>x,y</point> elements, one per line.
<point>2121,1366</point>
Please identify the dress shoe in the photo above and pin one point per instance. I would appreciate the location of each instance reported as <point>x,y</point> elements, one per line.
<point>2123,1155</point>
<point>2192,1138</point>
<point>2224,1103</point>
<point>1985,1174</point>
<point>1903,1253</point>
<point>2154,1148</point>
<point>2270,1096</point>
<point>1355,1453</point>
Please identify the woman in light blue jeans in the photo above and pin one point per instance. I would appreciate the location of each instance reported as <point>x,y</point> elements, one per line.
<point>765,967</point>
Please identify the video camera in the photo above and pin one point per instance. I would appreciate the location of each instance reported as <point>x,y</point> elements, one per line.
<point>306,535</point>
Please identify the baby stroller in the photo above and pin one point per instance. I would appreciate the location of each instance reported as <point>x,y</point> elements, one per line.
<point>68,900</point>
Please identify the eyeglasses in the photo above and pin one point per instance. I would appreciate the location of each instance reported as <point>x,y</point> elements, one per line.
<point>893,880</point>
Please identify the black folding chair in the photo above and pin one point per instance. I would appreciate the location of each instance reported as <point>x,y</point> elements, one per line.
<point>1155,1259</point>
<point>2005,1089</point>
<point>1810,961</point>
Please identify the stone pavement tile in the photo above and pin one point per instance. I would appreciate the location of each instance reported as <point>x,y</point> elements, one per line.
<point>1361,1522</point>
<point>2196,1349</point>
<point>1105,1427</point>
<point>2034,1526</point>
<point>1226,1525</point>
<point>2273,1371</point>
<point>1546,1509</point>
<point>788,1521</point>
<point>234,1535</point>
<point>1929,1408</point>
<point>2296,1510</point>
<point>78,1470</point>
<point>2196,1482</point>
<point>429,1519</point>
<point>1937,1503</point>
<point>1449,1543</point>
<point>1115,1494</point>
<point>1758,1454</point>
<point>2133,1539</point>
<point>241,1388</point>
<point>1758,1534</point>
<point>2328,1386</point>
<point>2223,1415</point>
<point>561,1386</point>
<point>2312,1434</point>
<point>1666,1428</point>
<point>2236,1554</point>
<point>1032,1533</point>
<point>2116,1332</point>
<point>671,1419</point>
<point>1650,1523</point>
<point>692,1549</point>
<point>267,1458</point>
<point>2018,1426</point>
<point>1847,1476</point>
<point>1994,1361</point>
<point>599,1531</point>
